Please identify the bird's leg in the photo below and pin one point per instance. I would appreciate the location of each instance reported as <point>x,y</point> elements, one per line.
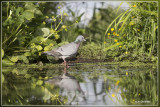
<point>65,66</point>
<point>65,63</point>
<point>65,71</point>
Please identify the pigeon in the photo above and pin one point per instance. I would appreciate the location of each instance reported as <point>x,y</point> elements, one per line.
<point>66,51</point>
<point>65,81</point>
<point>69,86</point>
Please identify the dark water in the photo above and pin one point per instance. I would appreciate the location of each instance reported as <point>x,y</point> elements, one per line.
<point>85,84</point>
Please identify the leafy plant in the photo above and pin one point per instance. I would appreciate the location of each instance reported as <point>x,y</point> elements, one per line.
<point>27,32</point>
<point>136,28</point>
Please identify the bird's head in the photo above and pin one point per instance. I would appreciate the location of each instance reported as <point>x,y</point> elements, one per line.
<point>80,38</point>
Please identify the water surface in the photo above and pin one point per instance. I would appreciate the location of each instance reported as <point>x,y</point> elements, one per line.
<point>84,84</point>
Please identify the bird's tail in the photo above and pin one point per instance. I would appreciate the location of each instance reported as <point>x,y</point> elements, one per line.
<point>46,53</point>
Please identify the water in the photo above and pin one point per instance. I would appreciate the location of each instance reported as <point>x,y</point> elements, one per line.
<point>85,84</point>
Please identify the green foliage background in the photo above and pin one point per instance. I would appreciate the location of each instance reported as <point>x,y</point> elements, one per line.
<point>30,28</point>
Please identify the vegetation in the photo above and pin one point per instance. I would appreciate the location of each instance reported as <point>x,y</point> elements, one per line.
<point>34,33</point>
<point>135,32</point>
<point>30,29</point>
<point>139,83</point>
<point>122,38</point>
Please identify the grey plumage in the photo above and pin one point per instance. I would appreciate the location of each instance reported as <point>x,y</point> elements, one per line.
<point>68,50</point>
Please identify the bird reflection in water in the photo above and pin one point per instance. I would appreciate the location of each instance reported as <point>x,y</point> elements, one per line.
<point>69,87</point>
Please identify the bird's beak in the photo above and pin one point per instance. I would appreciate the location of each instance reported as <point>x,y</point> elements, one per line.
<point>84,40</point>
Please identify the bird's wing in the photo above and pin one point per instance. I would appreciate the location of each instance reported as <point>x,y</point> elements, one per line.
<point>68,50</point>
<point>52,53</point>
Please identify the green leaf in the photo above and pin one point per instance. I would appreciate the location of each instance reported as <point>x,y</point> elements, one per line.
<point>47,94</point>
<point>14,58</point>
<point>79,17</point>
<point>112,46</point>
<point>23,58</point>
<point>112,23</point>
<point>7,70</point>
<point>29,6</point>
<point>47,48</point>
<point>42,32</point>
<point>14,71</point>
<point>2,78</point>
<point>37,40</point>
<point>119,7</point>
<point>124,21</point>
<point>46,78</point>
<point>7,62</point>
<point>49,41</point>
<point>39,48</point>
<point>27,76</point>
<point>147,12</point>
<point>28,14</point>
<point>39,82</point>
<point>2,53</point>
<point>38,12</point>
<point>19,10</point>
<point>21,19</point>
<point>27,54</point>
<point>23,71</point>
<point>73,14</point>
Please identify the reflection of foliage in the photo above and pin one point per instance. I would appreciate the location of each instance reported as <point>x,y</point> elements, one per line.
<point>140,86</point>
<point>26,86</point>
<point>16,93</point>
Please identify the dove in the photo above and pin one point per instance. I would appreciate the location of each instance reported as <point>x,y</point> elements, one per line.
<point>66,51</point>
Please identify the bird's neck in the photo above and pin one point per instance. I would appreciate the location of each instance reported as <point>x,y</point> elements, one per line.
<point>77,42</point>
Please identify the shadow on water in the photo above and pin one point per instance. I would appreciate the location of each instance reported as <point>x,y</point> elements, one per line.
<point>85,84</point>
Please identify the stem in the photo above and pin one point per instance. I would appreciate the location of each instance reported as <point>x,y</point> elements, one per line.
<point>12,34</point>
<point>58,25</point>
<point>10,13</point>
<point>15,37</point>
<point>7,8</point>
<point>57,15</point>
<point>59,101</point>
<point>51,25</point>
<point>18,27</point>
<point>48,36</point>
<point>22,51</point>
<point>55,18</point>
